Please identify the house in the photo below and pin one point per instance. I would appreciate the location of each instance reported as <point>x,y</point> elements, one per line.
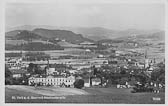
<point>88,50</point>
<point>14,63</point>
<point>150,69</point>
<point>18,73</point>
<point>52,80</point>
<point>95,81</point>
<point>100,56</point>
<point>87,83</point>
<point>72,71</point>
<point>119,52</point>
<point>50,71</point>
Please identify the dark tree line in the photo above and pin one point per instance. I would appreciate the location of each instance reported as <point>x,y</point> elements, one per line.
<point>35,69</point>
<point>9,80</point>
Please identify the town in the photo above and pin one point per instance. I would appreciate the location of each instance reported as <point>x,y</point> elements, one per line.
<point>85,51</point>
<point>115,64</point>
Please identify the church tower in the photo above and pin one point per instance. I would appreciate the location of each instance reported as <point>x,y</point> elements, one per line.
<point>146,60</point>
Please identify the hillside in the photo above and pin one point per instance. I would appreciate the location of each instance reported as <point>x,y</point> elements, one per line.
<point>22,35</point>
<point>27,35</point>
<point>46,34</point>
<point>12,33</point>
<point>93,33</point>
<point>69,36</point>
<point>160,35</point>
<point>155,36</point>
<point>99,33</point>
<point>34,46</point>
<point>141,38</point>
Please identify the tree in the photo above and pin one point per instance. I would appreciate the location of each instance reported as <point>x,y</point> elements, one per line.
<point>123,72</point>
<point>37,70</point>
<point>142,78</point>
<point>123,80</point>
<point>8,76</point>
<point>79,83</point>
<point>159,74</point>
<point>7,72</point>
<point>95,71</point>
<point>31,68</point>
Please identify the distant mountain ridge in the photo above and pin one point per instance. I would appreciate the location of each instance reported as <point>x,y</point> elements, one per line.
<point>157,36</point>
<point>93,33</point>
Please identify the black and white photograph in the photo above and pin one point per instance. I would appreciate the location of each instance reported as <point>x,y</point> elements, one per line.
<point>84,52</point>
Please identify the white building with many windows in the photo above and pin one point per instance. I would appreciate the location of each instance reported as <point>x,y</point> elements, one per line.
<point>51,80</point>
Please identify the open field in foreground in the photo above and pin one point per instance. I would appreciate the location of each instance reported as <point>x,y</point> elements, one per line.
<point>26,94</point>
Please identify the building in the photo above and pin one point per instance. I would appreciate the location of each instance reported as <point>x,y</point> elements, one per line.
<point>100,56</point>
<point>132,43</point>
<point>96,81</point>
<point>73,71</point>
<point>18,73</point>
<point>119,52</point>
<point>87,44</point>
<point>146,60</point>
<point>87,83</point>
<point>50,71</point>
<point>141,65</point>
<point>14,63</point>
<point>52,80</point>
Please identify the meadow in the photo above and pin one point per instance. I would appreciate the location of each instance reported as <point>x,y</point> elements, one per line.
<point>89,95</point>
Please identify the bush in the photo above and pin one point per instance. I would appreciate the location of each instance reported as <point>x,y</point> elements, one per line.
<point>8,81</point>
<point>79,83</point>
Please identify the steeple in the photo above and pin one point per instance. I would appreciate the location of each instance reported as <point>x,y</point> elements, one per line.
<point>146,60</point>
<point>146,54</point>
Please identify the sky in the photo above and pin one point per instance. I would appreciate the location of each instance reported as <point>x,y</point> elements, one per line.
<point>91,14</point>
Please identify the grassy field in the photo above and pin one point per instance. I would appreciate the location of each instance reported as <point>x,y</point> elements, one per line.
<point>95,95</point>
